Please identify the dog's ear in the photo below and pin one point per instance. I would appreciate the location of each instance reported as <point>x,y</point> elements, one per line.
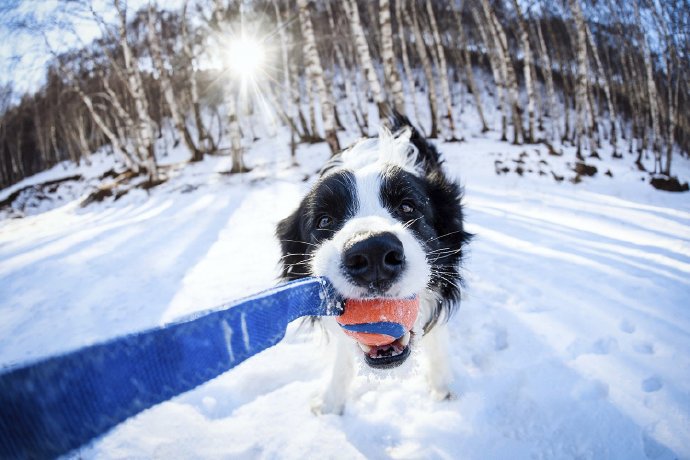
<point>446,197</point>
<point>293,247</point>
<point>427,155</point>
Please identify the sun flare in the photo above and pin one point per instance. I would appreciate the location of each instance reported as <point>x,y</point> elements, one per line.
<point>245,57</point>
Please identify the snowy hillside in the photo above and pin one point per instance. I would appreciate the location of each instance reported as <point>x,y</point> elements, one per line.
<point>573,340</point>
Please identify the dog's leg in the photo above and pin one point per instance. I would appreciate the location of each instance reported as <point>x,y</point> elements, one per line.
<point>437,349</point>
<point>333,397</point>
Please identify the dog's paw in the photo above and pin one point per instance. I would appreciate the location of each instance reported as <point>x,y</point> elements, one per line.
<point>321,406</point>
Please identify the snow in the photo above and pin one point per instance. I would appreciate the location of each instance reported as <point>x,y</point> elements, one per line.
<point>573,339</point>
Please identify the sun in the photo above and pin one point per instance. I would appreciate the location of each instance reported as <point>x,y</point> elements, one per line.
<point>245,57</point>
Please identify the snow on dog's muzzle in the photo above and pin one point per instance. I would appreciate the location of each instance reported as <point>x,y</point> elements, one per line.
<point>381,327</point>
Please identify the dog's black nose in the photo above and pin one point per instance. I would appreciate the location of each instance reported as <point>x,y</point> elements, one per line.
<point>375,261</point>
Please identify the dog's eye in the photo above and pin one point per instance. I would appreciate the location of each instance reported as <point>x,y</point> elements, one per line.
<point>324,222</point>
<point>406,207</point>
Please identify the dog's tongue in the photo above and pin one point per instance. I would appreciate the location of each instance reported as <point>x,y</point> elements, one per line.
<point>380,321</point>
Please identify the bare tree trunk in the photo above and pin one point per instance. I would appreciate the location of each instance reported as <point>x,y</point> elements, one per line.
<point>651,90</point>
<point>167,87</point>
<point>501,41</point>
<point>469,73</point>
<point>289,100</point>
<point>405,58</point>
<point>495,69</point>
<point>388,57</point>
<point>545,61</point>
<point>344,70</point>
<point>145,125</point>
<point>442,70</point>
<point>527,70</point>
<point>593,126</point>
<point>352,12</point>
<point>315,74</point>
<point>205,141</point>
<point>604,83</point>
<point>581,83</point>
<point>428,72</point>
<point>112,137</point>
<point>236,153</point>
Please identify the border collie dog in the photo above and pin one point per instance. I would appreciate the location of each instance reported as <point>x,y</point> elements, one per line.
<point>383,220</point>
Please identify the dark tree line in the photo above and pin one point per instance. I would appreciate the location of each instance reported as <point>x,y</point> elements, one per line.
<point>587,73</point>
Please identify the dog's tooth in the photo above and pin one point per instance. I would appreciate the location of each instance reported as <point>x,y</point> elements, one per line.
<point>405,339</point>
<point>365,348</point>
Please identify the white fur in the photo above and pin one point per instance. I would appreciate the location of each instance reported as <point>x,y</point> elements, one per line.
<point>392,149</point>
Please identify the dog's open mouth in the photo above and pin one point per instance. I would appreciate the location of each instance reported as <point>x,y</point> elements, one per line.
<point>387,356</point>
<point>382,327</point>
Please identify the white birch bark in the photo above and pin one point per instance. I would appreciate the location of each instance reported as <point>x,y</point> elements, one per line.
<point>603,81</point>
<point>236,154</point>
<point>651,90</point>
<point>344,72</point>
<point>501,103</point>
<point>443,70</point>
<point>136,86</point>
<point>545,61</point>
<point>315,74</point>
<point>426,66</point>
<point>512,92</point>
<point>205,142</point>
<point>469,73</point>
<point>388,56</point>
<point>527,70</point>
<point>407,68</point>
<point>114,140</point>
<point>167,86</point>
<point>352,12</point>
<point>581,80</point>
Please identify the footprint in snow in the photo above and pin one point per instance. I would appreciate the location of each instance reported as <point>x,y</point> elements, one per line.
<point>626,326</point>
<point>602,346</point>
<point>652,384</point>
<point>645,348</point>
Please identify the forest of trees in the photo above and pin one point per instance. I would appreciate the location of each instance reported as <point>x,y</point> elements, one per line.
<point>586,73</point>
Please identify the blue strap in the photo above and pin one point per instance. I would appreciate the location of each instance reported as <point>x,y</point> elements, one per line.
<point>52,406</point>
<point>394,330</point>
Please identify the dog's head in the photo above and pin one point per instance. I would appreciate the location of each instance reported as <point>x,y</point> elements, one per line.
<point>383,220</point>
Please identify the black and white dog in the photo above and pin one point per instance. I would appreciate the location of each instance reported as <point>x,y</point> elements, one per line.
<point>383,220</point>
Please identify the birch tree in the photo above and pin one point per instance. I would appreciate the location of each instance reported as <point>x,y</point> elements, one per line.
<point>651,89</point>
<point>407,68</point>
<point>442,70</point>
<point>507,70</point>
<point>352,12</point>
<point>426,66</point>
<point>230,99</point>
<point>495,70</point>
<point>136,88</point>
<point>205,141</point>
<point>390,72</point>
<point>527,70</point>
<point>603,81</point>
<point>345,72</point>
<point>581,81</point>
<point>315,76</point>
<point>545,65</point>
<point>467,65</point>
<point>167,85</point>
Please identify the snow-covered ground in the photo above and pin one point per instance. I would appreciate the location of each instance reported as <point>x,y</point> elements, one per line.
<point>573,340</point>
